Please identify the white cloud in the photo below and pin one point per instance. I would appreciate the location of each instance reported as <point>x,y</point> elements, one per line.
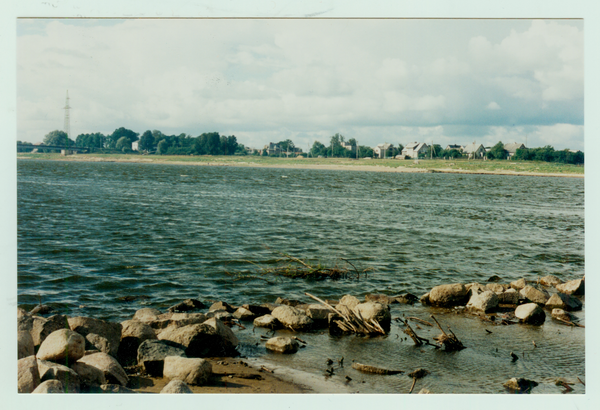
<point>493,106</point>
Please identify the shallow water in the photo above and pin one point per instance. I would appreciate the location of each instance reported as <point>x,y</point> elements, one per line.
<point>90,233</point>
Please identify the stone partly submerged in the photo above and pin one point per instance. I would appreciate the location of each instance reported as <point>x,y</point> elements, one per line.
<point>564,301</point>
<point>573,287</point>
<point>292,318</point>
<point>281,344</point>
<point>448,295</point>
<point>520,385</point>
<point>483,302</point>
<point>530,313</point>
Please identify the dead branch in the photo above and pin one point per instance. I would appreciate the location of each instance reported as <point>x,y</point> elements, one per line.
<point>568,322</point>
<point>449,341</point>
<point>416,319</point>
<point>374,370</point>
<point>416,338</point>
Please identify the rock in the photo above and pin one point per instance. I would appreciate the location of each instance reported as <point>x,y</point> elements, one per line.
<point>133,333</point>
<point>244,314</point>
<point>520,384</point>
<point>530,313</point>
<point>550,280</point>
<point>178,320</point>
<point>349,301</point>
<point>89,375</point>
<point>200,340</point>
<point>292,317</point>
<point>151,355</point>
<point>223,331</point>
<point>176,387</point>
<point>406,298</point>
<point>146,315</point>
<point>573,287</point>
<point>564,301</point>
<point>41,310</point>
<point>496,287</point>
<point>42,327</point>
<point>494,278</point>
<point>475,288</point>
<point>425,299</point>
<point>25,344</point>
<point>282,344</point>
<point>62,345</point>
<point>54,371</point>
<point>518,284</point>
<point>534,295</point>
<point>375,311</point>
<point>379,298</point>
<point>268,321</point>
<point>258,310</point>
<point>270,306</point>
<point>113,372</point>
<point>448,295</point>
<point>318,312</point>
<point>509,297</point>
<point>109,333</point>
<point>187,305</point>
<point>288,302</point>
<point>221,306</point>
<point>334,328</point>
<point>50,386</point>
<point>193,371</point>
<point>424,391</point>
<point>29,375</point>
<point>561,314</point>
<point>115,388</point>
<point>484,302</point>
<point>97,343</point>
<point>220,314</point>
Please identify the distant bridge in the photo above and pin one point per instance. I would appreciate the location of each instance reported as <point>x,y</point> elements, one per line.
<point>36,148</point>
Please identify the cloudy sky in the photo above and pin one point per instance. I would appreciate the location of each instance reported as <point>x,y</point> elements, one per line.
<point>377,80</point>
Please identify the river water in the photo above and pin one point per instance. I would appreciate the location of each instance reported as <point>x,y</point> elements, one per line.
<point>91,233</point>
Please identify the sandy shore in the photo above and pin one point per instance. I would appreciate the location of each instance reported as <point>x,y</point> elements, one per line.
<point>333,167</point>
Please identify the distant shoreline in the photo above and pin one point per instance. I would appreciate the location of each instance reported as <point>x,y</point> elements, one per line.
<point>299,165</point>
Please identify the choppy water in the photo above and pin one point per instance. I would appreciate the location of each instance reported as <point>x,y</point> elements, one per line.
<point>90,233</point>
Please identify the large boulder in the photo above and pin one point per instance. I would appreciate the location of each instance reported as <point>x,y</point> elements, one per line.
<point>484,302</point>
<point>534,295</point>
<point>268,321</point>
<point>509,297</point>
<point>28,373</point>
<point>475,288</point>
<point>518,284</point>
<point>564,301</point>
<point>54,371</point>
<point>194,371</point>
<point>133,333</point>
<point>448,295</point>
<point>108,334</point>
<point>62,345</point>
<point>550,280</point>
<point>374,311</point>
<point>24,344</point>
<point>259,310</point>
<point>496,287</point>
<point>223,331</point>
<point>220,314</point>
<point>113,372</point>
<point>187,305</point>
<point>176,387</point>
<point>42,327</point>
<point>244,314</point>
<point>282,344</point>
<point>292,317</point>
<point>318,312</point>
<point>49,387</point>
<point>530,313</point>
<point>151,355</point>
<point>89,376</point>
<point>200,340</point>
<point>572,287</point>
<point>221,306</point>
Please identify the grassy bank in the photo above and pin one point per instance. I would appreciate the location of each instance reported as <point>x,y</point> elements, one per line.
<point>457,165</point>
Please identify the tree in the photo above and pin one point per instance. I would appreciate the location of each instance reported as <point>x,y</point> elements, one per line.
<point>147,141</point>
<point>162,147</point>
<point>118,133</point>
<point>123,144</point>
<point>58,138</point>
<point>336,145</point>
<point>497,151</point>
<point>286,145</point>
<point>318,149</point>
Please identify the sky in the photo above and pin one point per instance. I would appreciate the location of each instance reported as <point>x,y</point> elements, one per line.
<point>446,81</point>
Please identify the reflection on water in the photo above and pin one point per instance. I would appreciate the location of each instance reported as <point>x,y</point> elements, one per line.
<point>91,233</point>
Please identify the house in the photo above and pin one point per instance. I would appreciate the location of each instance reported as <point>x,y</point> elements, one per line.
<point>474,150</point>
<point>251,151</point>
<point>512,148</point>
<point>382,150</point>
<point>454,146</point>
<point>135,146</point>
<point>347,145</point>
<point>272,148</point>
<point>413,149</point>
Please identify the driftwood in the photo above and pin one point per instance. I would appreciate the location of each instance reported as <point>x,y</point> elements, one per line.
<point>374,370</point>
<point>449,341</point>
<point>568,322</point>
<point>416,319</point>
<point>416,338</point>
<point>352,322</point>
<point>417,374</point>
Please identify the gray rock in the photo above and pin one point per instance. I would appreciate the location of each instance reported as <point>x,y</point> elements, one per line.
<point>53,371</point>
<point>282,344</point>
<point>375,311</point>
<point>484,302</point>
<point>222,306</point>
<point>380,298</point>
<point>268,321</point>
<point>200,340</point>
<point>115,388</point>
<point>220,314</point>
<point>562,315</point>
<point>29,375</point>
<point>187,306</point>
<point>349,301</point>
<point>564,301</point>
<point>424,299</point>
<point>573,287</point>
<point>49,387</point>
<point>176,387</point>
<point>496,287</point>
<point>550,280</point>
<point>494,278</point>
<point>109,333</point>
<point>133,333</point>
<point>520,384</point>
<point>244,314</point>
<point>518,284</point>
<point>223,331</point>
<point>151,355</point>
<point>448,295</point>
<point>475,288</point>
<point>62,345</point>
<point>113,372</point>
<point>97,342</point>
<point>287,302</point>
<point>534,295</point>
<point>530,313</point>
<point>25,344</point>
<point>406,298</point>
<point>42,327</point>
<point>147,315</point>
<point>259,310</point>
<point>192,371</point>
<point>509,297</point>
<point>292,317</point>
<point>89,375</point>
<point>317,312</point>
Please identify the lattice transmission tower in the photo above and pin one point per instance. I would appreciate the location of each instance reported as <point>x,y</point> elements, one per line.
<point>67,118</point>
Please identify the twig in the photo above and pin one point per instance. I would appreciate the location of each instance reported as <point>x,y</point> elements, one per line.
<point>416,319</point>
